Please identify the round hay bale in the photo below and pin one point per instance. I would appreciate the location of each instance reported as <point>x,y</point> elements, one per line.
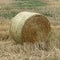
<point>29,27</point>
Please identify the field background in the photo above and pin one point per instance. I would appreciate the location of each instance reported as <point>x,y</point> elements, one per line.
<point>9,50</point>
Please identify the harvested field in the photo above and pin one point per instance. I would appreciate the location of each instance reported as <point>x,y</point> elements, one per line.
<point>10,50</point>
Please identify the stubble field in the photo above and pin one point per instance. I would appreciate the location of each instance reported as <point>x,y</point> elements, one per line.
<point>9,50</point>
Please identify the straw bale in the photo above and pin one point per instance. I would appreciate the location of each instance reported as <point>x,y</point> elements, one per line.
<point>29,27</point>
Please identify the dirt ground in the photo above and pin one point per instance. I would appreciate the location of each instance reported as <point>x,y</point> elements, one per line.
<point>5,1</point>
